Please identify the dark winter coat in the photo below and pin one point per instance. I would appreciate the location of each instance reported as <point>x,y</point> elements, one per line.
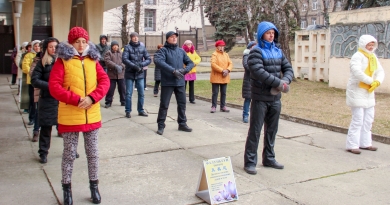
<point>47,105</point>
<point>135,55</point>
<point>113,58</point>
<point>246,82</point>
<point>157,73</point>
<point>14,67</point>
<point>170,58</point>
<point>267,63</point>
<point>102,50</point>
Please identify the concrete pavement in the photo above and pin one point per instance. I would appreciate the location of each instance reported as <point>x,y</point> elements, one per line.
<point>137,166</point>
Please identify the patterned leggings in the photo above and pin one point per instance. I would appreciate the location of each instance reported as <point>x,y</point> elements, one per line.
<point>69,154</point>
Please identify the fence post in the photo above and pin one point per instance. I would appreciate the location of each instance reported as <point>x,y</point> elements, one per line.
<point>162,37</point>
<point>196,38</point>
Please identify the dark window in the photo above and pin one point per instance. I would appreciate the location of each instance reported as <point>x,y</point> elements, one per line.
<point>42,13</point>
<point>6,13</point>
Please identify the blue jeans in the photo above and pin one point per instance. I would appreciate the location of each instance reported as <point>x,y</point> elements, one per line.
<point>139,84</point>
<point>247,103</point>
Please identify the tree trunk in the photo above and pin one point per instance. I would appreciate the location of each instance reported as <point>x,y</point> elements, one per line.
<point>124,32</point>
<point>203,27</point>
<point>137,15</point>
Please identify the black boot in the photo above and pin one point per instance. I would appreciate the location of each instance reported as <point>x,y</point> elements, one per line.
<point>67,188</point>
<point>95,195</point>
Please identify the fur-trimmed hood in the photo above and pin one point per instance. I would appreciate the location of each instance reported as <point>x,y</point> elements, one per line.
<point>66,51</point>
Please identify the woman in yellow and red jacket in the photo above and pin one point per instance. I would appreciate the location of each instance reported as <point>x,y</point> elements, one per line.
<point>190,77</point>
<point>221,65</point>
<point>78,82</point>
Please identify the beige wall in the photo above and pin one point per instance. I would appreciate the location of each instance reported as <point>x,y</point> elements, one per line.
<point>94,17</point>
<point>339,67</point>
<point>26,21</point>
<point>312,54</point>
<point>60,12</point>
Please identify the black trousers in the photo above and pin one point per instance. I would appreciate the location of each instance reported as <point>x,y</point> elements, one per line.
<point>166,93</point>
<point>215,89</point>
<point>13,81</point>
<point>145,74</point>
<point>156,85</point>
<point>121,90</point>
<point>32,108</point>
<point>191,90</point>
<point>44,140</point>
<point>266,113</point>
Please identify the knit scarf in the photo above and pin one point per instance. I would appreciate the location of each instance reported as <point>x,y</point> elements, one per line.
<point>372,66</point>
<point>188,50</point>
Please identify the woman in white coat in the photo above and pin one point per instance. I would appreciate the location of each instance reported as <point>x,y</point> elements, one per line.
<point>366,74</point>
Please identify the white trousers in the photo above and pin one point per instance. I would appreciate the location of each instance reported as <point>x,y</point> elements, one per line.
<point>359,132</point>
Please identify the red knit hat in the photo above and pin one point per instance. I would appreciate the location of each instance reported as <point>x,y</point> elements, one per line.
<point>219,43</point>
<point>77,32</point>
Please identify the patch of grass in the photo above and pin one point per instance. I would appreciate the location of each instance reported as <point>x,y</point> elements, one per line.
<point>311,100</point>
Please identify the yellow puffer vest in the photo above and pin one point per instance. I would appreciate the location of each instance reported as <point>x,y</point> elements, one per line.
<point>80,78</point>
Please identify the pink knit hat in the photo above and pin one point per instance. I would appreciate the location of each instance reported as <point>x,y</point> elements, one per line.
<point>187,42</point>
<point>77,32</point>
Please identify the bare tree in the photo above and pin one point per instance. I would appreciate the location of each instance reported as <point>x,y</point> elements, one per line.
<point>124,25</point>
<point>137,15</point>
<point>123,22</point>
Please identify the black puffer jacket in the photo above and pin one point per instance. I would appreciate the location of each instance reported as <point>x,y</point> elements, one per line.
<point>157,73</point>
<point>266,65</point>
<point>246,82</point>
<point>133,55</point>
<point>47,105</point>
<point>170,58</point>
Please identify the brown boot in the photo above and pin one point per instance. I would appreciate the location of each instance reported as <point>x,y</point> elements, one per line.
<point>35,136</point>
<point>371,148</point>
<point>354,151</point>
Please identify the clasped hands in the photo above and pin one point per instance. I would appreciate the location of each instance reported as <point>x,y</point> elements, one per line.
<point>225,72</point>
<point>179,73</point>
<point>85,103</point>
<point>283,87</point>
<point>374,85</point>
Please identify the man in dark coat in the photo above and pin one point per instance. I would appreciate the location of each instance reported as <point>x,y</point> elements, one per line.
<point>102,48</point>
<point>271,73</point>
<point>170,59</point>
<point>246,83</point>
<point>135,57</point>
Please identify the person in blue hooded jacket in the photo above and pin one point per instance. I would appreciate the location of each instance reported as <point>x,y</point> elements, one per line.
<point>271,74</point>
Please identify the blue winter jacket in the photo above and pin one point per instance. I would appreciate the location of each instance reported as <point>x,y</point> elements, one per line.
<point>267,65</point>
<point>170,58</point>
<point>135,55</point>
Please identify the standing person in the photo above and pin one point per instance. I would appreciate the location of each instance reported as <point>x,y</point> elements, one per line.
<point>47,105</point>
<point>157,75</point>
<point>14,70</point>
<point>170,59</point>
<point>271,73</point>
<point>26,65</point>
<point>221,66</point>
<point>24,87</point>
<point>102,48</point>
<point>366,75</point>
<point>135,57</point>
<point>190,77</point>
<point>116,73</point>
<point>78,82</point>
<point>18,57</point>
<point>246,83</point>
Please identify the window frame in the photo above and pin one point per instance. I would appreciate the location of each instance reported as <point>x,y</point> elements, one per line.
<point>147,18</point>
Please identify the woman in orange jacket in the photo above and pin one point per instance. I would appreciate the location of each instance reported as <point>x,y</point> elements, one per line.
<point>221,66</point>
<point>79,82</point>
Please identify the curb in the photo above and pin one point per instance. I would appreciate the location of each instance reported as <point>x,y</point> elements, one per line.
<point>376,137</point>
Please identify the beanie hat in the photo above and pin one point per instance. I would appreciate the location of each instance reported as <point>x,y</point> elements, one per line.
<point>24,44</point>
<point>219,43</point>
<point>113,43</point>
<point>187,42</point>
<point>133,34</point>
<point>77,32</point>
<point>170,33</point>
<point>250,44</point>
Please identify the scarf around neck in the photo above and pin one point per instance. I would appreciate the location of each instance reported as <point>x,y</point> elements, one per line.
<point>372,66</point>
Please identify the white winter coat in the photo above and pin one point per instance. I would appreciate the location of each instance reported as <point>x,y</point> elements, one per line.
<point>356,96</point>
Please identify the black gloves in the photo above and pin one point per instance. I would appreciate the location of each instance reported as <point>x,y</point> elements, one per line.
<point>182,71</point>
<point>139,68</point>
<point>178,74</point>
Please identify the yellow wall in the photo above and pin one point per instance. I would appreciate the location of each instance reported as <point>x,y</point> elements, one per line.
<point>26,21</point>
<point>60,12</point>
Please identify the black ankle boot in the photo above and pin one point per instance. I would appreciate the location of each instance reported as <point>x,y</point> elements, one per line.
<point>67,188</point>
<point>95,195</point>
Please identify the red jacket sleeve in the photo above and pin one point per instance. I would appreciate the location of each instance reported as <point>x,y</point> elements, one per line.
<point>103,84</point>
<point>56,88</point>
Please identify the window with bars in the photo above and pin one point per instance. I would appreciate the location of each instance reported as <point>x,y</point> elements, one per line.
<point>150,20</point>
<point>314,5</point>
<point>313,21</point>
<point>304,7</point>
<point>303,24</point>
<point>150,2</point>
